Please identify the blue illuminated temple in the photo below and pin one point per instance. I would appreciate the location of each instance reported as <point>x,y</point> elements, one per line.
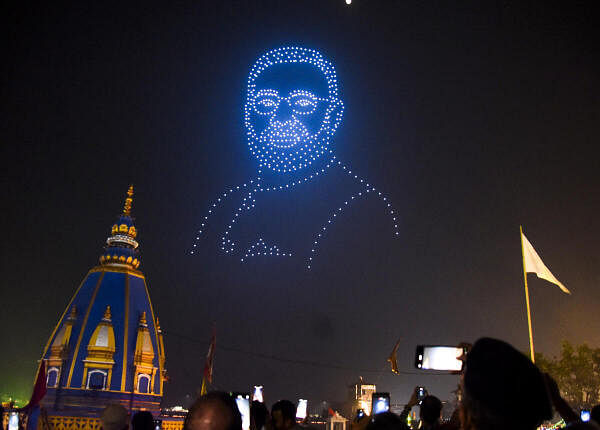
<point>107,346</point>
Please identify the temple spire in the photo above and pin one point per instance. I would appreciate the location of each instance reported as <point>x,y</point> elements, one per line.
<point>122,248</point>
<point>128,201</point>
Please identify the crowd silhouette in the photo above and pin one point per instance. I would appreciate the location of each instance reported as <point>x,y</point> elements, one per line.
<point>500,388</point>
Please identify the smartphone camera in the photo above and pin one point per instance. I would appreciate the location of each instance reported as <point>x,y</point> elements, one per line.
<point>359,414</point>
<point>585,415</point>
<point>381,402</point>
<point>421,393</point>
<point>301,409</point>
<point>243,403</point>
<point>258,393</point>
<point>439,357</point>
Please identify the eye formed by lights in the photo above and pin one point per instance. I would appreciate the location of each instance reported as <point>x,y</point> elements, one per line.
<point>304,102</point>
<point>266,102</point>
<point>301,102</point>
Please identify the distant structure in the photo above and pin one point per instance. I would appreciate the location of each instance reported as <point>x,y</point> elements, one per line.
<point>361,397</point>
<point>108,345</point>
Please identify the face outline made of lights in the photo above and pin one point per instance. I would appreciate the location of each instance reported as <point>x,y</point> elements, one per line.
<point>289,125</point>
<point>287,133</point>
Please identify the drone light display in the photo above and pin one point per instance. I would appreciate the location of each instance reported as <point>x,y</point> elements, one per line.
<point>289,132</point>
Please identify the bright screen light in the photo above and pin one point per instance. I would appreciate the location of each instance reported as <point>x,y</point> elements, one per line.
<point>13,421</point>
<point>301,409</point>
<point>258,393</point>
<point>381,405</point>
<point>585,416</point>
<point>442,358</point>
<point>243,405</point>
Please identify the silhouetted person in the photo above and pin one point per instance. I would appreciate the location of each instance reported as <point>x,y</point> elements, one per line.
<point>502,389</point>
<point>560,405</point>
<point>430,412</point>
<point>580,425</point>
<point>385,421</point>
<point>213,411</point>
<point>142,420</point>
<point>595,414</point>
<point>283,414</point>
<point>114,417</point>
<point>453,423</point>
<point>258,415</point>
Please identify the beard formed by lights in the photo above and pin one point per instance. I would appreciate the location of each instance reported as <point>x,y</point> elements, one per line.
<point>284,135</point>
<point>288,146</point>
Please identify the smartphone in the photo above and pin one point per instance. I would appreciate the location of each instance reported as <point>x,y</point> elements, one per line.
<point>301,409</point>
<point>439,357</point>
<point>421,393</point>
<point>359,414</point>
<point>585,415</point>
<point>157,424</point>
<point>381,402</point>
<point>258,393</point>
<point>242,401</point>
<point>13,421</point>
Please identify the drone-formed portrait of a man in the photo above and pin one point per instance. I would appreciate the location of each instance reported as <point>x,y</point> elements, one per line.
<point>292,111</point>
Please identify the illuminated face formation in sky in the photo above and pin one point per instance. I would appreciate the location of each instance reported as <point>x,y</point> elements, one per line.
<point>292,109</point>
<point>291,114</point>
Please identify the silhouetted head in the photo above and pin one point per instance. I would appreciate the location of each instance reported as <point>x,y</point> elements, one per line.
<point>213,411</point>
<point>142,420</point>
<point>258,415</point>
<point>114,417</point>
<point>595,414</point>
<point>283,414</point>
<point>502,388</point>
<point>292,108</point>
<point>579,425</point>
<point>430,409</point>
<point>385,421</point>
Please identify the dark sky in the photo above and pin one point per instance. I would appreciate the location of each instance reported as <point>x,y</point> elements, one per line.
<point>474,117</point>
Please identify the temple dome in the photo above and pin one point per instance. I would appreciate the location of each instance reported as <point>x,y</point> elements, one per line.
<point>107,346</point>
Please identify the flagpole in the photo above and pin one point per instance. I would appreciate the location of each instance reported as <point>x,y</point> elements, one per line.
<point>527,298</point>
<point>203,389</point>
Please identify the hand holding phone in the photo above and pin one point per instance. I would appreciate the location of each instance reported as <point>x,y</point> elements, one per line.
<point>243,403</point>
<point>421,393</point>
<point>359,415</point>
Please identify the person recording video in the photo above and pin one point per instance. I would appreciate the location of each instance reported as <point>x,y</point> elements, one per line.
<point>430,411</point>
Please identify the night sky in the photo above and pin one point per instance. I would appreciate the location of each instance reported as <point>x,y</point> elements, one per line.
<point>473,117</point>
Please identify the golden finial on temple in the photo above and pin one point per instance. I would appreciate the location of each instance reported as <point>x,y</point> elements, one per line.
<point>107,314</point>
<point>73,314</point>
<point>128,201</point>
<point>143,318</point>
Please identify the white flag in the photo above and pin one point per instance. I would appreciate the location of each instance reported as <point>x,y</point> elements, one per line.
<point>534,264</point>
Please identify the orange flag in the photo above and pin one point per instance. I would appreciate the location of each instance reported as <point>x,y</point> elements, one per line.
<point>208,366</point>
<point>392,359</point>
